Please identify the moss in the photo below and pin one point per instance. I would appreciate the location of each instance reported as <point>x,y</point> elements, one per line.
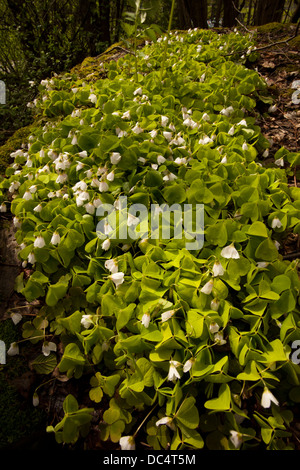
<point>271,28</point>
<point>295,43</point>
<point>92,69</point>
<point>12,144</point>
<point>18,417</point>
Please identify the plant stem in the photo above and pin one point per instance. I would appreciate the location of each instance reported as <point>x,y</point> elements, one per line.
<point>167,38</point>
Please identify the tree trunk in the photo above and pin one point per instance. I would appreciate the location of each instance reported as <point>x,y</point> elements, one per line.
<point>192,13</point>
<point>94,18</point>
<point>269,11</point>
<point>230,13</point>
<point>296,14</point>
<point>218,13</point>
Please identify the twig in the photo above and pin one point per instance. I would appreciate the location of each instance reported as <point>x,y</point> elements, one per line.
<point>284,41</point>
<point>293,255</point>
<point>243,26</point>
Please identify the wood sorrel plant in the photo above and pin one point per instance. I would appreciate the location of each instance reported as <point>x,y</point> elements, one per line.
<point>190,348</point>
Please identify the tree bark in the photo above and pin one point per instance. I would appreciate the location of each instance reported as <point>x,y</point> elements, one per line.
<point>230,13</point>
<point>296,14</point>
<point>193,14</point>
<point>269,11</point>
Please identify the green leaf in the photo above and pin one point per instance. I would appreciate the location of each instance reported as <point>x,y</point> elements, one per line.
<point>70,404</point>
<point>71,358</point>
<point>223,402</point>
<point>174,194</point>
<point>188,414</point>
<point>266,251</point>
<point>57,291</point>
<point>258,229</point>
<point>44,364</point>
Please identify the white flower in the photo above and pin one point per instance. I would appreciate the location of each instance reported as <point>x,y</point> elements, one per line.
<point>137,129</point>
<point>277,244</point>
<point>231,130</point>
<point>83,154</point>
<point>164,121</point>
<point>153,133</point>
<point>90,208</point>
<point>13,349</point>
<point>3,208</point>
<point>117,278</point>
<point>126,115</point>
<point>33,189</point>
<point>106,244</point>
<point>127,443</point>
<point>167,135</point>
<point>160,159</point>
<point>81,198</point>
<point>38,208</point>
<point>236,438</point>
<point>218,269</point>
<point>27,195</point>
<point>190,123</point>
<point>188,364</point>
<point>55,239</point>
<point>111,265</point>
<point>145,320</point>
<point>138,91</point>
<point>227,111</point>
<point>173,372</point>
<point>205,140</point>
<point>132,220</point>
<point>97,202</point>
<point>62,178</point>
<point>230,252</point>
<point>207,288</point>
<point>167,421</point>
<point>267,398</point>
<point>245,146</point>
<point>214,327</point>
<point>165,316</point>
<point>103,187</point>
<point>276,223</point>
<point>16,318</point>
<point>79,166</point>
<point>93,98</point>
<point>272,108</point>
<point>31,258</point>
<point>266,153</point>
<point>95,183</point>
<point>39,242</point>
<point>120,133</point>
<point>86,321</point>
<point>48,347</point>
<point>205,117</point>
<point>115,158</point>
<point>16,222</point>
<point>74,140</point>
<point>111,176</point>
<point>219,338</point>
<point>107,228</point>
<point>262,264</point>
<point>214,305</point>
<point>35,399</point>
<point>279,162</point>
<point>14,186</point>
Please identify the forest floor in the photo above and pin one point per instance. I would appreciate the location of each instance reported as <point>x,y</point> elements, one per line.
<point>23,426</point>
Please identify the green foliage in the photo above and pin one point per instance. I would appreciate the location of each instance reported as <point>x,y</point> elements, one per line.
<point>196,341</point>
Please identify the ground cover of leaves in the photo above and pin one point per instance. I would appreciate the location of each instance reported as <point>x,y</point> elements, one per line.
<point>279,66</point>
